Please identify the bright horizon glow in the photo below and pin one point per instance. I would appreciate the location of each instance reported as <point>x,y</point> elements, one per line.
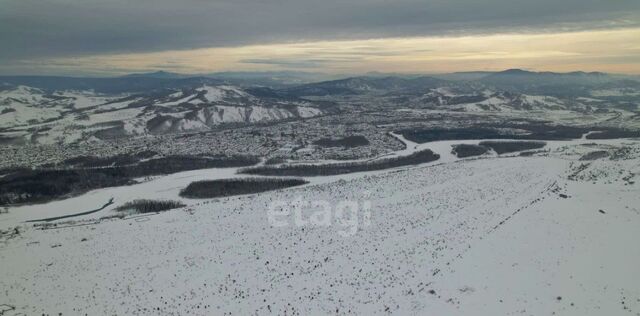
<point>613,51</point>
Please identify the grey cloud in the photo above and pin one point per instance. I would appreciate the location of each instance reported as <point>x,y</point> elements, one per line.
<point>284,62</point>
<point>54,28</point>
<point>296,62</point>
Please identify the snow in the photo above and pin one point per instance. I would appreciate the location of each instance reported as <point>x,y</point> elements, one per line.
<point>496,104</point>
<point>29,104</point>
<point>260,114</point>
<point>477,236</point>
<point>119,115</point>
<point>84,99</point>
<point>25,107</point>
<point>231,114</point>
<point>543,101</point>
<point>118,105</point>
<point>157,188</point>
<point>24,114</point>
<point>176,102</point>
<point>305,111</point>
<point>617,92</point>
<point>523,103</point>
<point>135,127</point>
<point>588,99</point>
<point>32,106</point>
<point>212,94</point>
<point>560,248</point>
<point>24,95</point>
<point>445,91</point>
<point>168,186</point>
<point>190,125</point>
<point>489,235</point>
<point>234,114</point>
<point>221,93</point>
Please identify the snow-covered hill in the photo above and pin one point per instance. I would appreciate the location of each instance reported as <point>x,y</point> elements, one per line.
<point>41,115</point>
<point>35,115</point>
<point>491,100</point>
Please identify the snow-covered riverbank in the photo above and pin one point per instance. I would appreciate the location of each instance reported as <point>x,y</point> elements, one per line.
<point>169,186</point>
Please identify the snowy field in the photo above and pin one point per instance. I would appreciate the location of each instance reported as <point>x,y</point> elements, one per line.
<point>541,235</point>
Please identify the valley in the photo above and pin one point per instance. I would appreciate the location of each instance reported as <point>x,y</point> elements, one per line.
<point>367,195</point>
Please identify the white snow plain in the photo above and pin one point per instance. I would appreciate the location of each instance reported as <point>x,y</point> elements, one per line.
<point>541,235</point>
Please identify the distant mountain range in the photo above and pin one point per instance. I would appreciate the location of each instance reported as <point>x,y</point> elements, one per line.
<point>308,82</point>
<point>158,75</point>
<point>47,109</point>
<point>513,80</point>
<point>141,82</point>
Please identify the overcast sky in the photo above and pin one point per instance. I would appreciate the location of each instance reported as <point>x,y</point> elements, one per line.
<point>88,36</point>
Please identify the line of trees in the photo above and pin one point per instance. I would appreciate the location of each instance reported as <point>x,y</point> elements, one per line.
<point>238,186</point>
<point>95,162</point>
<point>509,147</point>
<point>343,168</point>
<point>492,132</point>
<point>535,131</point>
<point>149,206</point>
<point>469,150</point>
<point>347,142</point>
<point>38,186</point>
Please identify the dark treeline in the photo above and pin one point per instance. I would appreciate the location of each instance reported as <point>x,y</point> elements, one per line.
<point>173,164</point>
<point>614,133</point>
<point>437,134</point>
<point>534,131</point>
<point>595,155</point>
<point>467,150</point>
<point>149,206</point>
<point>10,170</point>
<point>509,147</point>
<point>275,161</point>
<point>231,187</point>
<point>347,142</point>
<point>342,168</point>
<point>33,186</point>
<point>95,162</point>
